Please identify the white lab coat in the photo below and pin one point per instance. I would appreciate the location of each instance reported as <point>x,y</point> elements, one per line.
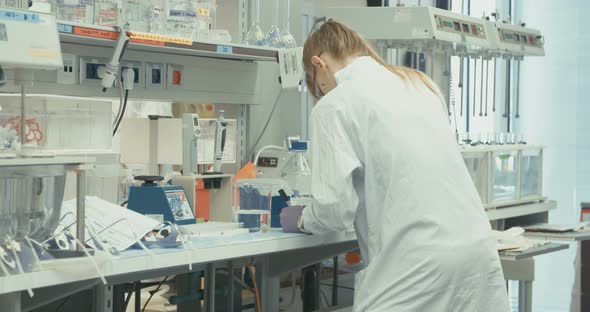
<point>384,159</point>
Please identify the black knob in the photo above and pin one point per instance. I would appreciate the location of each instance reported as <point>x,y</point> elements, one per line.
<point>149,180</point>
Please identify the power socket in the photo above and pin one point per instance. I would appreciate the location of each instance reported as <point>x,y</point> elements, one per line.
<point>69,72</point>
<point>155,75</point>
<point>268,162</point>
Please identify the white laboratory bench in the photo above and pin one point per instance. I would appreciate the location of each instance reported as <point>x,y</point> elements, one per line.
<point>275,253</point>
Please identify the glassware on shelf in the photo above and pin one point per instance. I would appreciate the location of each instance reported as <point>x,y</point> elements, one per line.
<point>273,37</point>
<point>288,39</point>
<point>180,18</point>
<point>106,13</point>
<point>255,36</point>
<point>77,11</point>
<point>491,138</point>
<point>138,13</point>
<point>158,17</point>
<point>204,18</point>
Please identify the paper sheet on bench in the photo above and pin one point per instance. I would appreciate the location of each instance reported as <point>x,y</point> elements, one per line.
<point>119,226</point>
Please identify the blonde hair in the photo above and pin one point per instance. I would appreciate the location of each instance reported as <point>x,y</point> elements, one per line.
<point>340,42</point>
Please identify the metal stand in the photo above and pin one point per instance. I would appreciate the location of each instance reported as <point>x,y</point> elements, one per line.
<point>188,293</point>
<point>80,206</point>
<point>335,283</point>
<point>522,271</point>
<point>311,288</point>
<point>525,296</point>
<point>11,302</point>
<point>210,288</point>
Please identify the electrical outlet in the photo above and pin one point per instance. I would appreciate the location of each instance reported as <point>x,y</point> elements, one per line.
<point>269,162</point>
<point>69,72</point>
<point>174,77</point>
<point>90,70</point>
<point>155,75</point>
<point>138,69</point>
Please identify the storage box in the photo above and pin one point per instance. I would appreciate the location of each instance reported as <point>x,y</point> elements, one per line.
<point>506,175</point>
<point>478,166</point>
<point>60,123</point>
<point>531,168</point>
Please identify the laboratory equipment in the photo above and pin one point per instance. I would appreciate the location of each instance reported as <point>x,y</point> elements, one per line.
<point>161,202</point>
<point>510,40</point>
<point>273,37</point>
<point>255,201</point>
<point>111,70</point>
<point>181,18</point>
<point>20,49</point>
<point>255,35</point>
<point>506,175</point>
<point>413,27</point>
<point>287,37</point>
<point>220,136</point>
<point>30,200</point>
<point>297,173</point>
<point>190,134</point>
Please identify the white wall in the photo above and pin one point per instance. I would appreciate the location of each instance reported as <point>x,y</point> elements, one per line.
<point>553,113</point>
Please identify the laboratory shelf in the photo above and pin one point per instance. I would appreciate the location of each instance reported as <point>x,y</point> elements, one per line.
<point>520,210</point>
<point>105,37</point>
<point>574,236</point>
<point>532,252</point>
<point>30,161</point>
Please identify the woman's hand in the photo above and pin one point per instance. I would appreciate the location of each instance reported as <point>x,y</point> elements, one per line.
<point>290,219</point>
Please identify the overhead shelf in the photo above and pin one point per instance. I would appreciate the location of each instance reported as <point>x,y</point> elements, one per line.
<point>105,37</point>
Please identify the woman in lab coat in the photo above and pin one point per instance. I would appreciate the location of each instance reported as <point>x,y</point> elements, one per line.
<point>384,160</point>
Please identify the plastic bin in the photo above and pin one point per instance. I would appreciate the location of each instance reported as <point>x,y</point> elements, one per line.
<point>504,176</point>
<point>256,201</point>
<point>477,165</point>
<point>60,123</point>
<point>531,173</point>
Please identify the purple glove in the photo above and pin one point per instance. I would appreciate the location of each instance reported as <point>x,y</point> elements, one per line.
<point>290,217</point>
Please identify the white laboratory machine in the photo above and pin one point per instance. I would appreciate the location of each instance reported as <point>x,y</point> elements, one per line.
<point>33,182</point>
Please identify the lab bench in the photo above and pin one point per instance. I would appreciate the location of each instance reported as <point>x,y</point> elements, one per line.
<point>274,253</point>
